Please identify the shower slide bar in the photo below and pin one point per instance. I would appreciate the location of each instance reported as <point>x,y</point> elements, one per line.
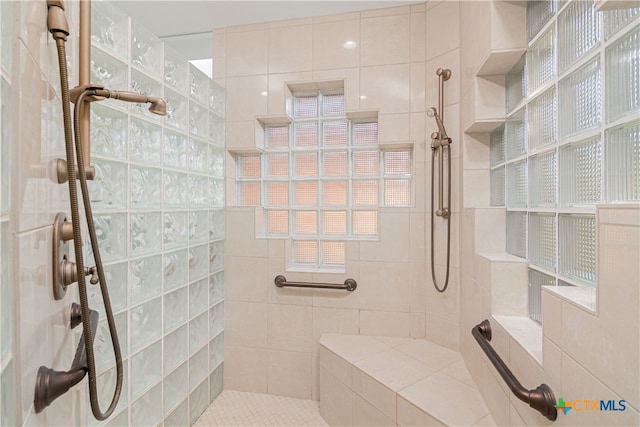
<point>349,284</point>
<point>541,398</point>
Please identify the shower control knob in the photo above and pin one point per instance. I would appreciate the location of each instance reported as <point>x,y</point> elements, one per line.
<point>69,272</point>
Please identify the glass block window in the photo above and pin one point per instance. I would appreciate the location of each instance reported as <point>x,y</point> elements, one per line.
<point>322,179</point>
<point>571,138</point>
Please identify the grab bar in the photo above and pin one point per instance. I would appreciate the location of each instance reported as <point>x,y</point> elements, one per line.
<point>541,399</point>
<point>349,284</point>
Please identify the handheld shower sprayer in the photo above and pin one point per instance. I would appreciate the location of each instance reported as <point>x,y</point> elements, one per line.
<point>95,92</point>
<point>441,135</point>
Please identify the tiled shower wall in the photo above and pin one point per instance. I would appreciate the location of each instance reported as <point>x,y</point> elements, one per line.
<point>158,207</point>
<point>272,334</point>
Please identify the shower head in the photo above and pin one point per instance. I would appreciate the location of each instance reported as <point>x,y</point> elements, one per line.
<point>433,112</point>
<point>158,105</point>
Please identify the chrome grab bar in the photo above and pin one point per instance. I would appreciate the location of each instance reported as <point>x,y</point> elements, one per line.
<point>541,398</point>
<point>349,284</point>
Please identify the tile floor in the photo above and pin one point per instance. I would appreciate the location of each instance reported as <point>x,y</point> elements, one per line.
<point>237,408</point>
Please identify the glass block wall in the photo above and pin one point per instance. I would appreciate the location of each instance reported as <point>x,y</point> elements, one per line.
<point>570,140</point>
<point>158,208</point>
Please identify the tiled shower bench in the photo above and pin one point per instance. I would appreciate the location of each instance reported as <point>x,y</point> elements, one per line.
<point>382,381</point>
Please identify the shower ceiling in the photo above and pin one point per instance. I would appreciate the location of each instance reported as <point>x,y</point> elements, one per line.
<point>187,24</point>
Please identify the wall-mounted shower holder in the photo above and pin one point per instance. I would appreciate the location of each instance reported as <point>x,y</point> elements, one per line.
<point>65,271</point>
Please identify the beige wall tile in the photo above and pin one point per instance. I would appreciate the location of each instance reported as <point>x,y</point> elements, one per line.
<point>552,315</point>
<point>289,374</point>
<point>410,415</point>
<point>333,320</point>
<point>385,286</point>
<point>246,53</point>
<point>246,279</point>
<point>443,332</point>
<point>278,92</point>
<point>387,88</point>
<point>386,40</point>
<point>244,99</point>
<point>417,97</point>
<point>290,49</point>
<point>418,33</point>
<point>381,397</point>
<point>328,44</point>
<point>394,235</point>
<point>245,324</point>
<point>364,414</point>
<point>443,28</point>
<point>392,324</point>
<point>336,400</point>
<point>245,369</point>
<point>393,127</point>
<point>290,328</point>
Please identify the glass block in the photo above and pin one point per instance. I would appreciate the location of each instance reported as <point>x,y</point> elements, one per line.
<point>516,134</point>
<point>109,72</point>
<point>102,343</point>
<point>175,150</point>
<point>305,106</point>
<point>305,134</point>
<point>216,197</point>
<point>277,193</point>
<point>177,110</point>
<point>108,131</point>
<point>216,351</point>
<point>515,85</point>
<point>581,172</point>
<point>541,61</point>
<point>249,167</point>
<point>517,233</point>
<point>145,411</point>
<point>175,308</point>
<point>176,228</point>
<point>201,194</point>
<point>333,254</point>
<point>543,120</point>
<point>8,402</point>
<point>216,319</point>
<point>277,165</point>
<point>216,380</point>
<point>334,133</point>
<point>175,70</point>
<point>615,20</point>
<point>622,156</point>
<point>364,133</point>
<point>216,161</point>
<point>147,368</point>
<point>579,100</point>
<point>397,162</point>
<point>364,223</point>
<point>146,323</point>
<point>111,230</point>
<point>198,119</point>
<point>176,345</point>
<point>6,299</point>
<point>145,278</point>
<point>199,400</point>
<point>198,226</point>
<point>497,186</point>
<point>496,145</point>
<point>198,155</point>
<point>146,233</point>
<point>216,287</point>
<point>305,222</point>
<point>216,130</point>
<point>198,335</point>
<point>198,262</point>
<point>538,14</point>
<point>365,163</point>
<point>334,223</point>
<point>623,76</point>
<point>216,224</point>
<point>276,136</point>
<point>145,141</point>
<point>175,189</point>
<point>176,387</point>
<point>542,240</point>
<point>198,297</point>
<point>216,256</point>
<point>116,276</point>
<point>117,420</point>
<point>216,98</point>
<point>578,32</point>
<point>536,281</point>
<point>305,193</point>
<point>145,85</point>
<point>277,222</point>
<point>146,187</point>
<point>175,269</point>
<point>517,187</point>
<point>334,193</point>
<point>577,247</point>
<point>365,192</point>
<point>334,164</point>
<point>179,417</point>
<point>397,192</point>
<point>146,50</point>
<point>305,252</point>
<point>198,85</point>
<point>333,105</point>
<point>543,179</point>
<point>106,189</point>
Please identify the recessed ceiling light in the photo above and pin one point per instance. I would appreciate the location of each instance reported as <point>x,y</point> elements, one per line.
<point>264,93</point>
<point>349,44</point>
<point>363,96</point>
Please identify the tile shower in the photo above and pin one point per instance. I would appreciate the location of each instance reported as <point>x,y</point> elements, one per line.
<point>158,209</point>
